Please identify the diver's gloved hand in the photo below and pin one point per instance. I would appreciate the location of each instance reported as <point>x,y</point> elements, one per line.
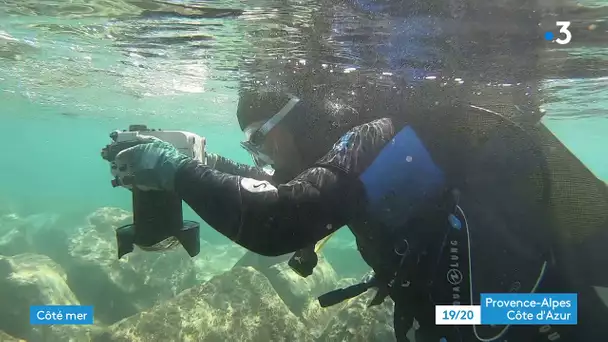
<point>151,165</point>
<point>210,159</point>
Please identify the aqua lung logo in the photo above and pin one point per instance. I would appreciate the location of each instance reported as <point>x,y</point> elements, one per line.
<point>454,275</point>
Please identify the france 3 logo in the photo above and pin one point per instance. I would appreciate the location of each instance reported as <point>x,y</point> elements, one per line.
<point>566,35</point>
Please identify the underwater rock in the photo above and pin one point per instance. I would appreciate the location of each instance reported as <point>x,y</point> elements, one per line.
<point>239,305</point>
<point>216,259</point>
<point>31,279</point>
<point>300,294</point>
<point>346,282</point>
<point>106,220</point>
<point>38,233</point>
<point>317,318</point>
<point>122,288</point>
<point>30,234</point>
<point>261,262</point>
<point>358,323</point>
<point>13,240</point>
<point>4,337</point>
<point>294,289</point>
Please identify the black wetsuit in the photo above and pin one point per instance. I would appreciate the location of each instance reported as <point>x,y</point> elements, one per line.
<point>274,218</point>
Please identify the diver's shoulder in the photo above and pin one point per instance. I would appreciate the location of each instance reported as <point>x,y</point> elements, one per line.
<point>375,130</point>
<point>358,148</point>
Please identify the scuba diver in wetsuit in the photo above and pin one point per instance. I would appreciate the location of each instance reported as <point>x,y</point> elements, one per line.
<point>427,202</point>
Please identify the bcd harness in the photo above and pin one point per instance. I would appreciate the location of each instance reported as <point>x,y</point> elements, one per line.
<point>408,252</point>
<point>402,179</point>
<point>485,143</point>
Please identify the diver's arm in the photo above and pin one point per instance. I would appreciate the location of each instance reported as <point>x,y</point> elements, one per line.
<point>231,167</point>
<point>265,219</point>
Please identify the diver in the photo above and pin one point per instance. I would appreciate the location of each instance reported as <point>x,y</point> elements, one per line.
<point>302,261</point>
<point>427,201</point>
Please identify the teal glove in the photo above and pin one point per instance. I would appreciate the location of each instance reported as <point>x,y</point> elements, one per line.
<point>151,165</point>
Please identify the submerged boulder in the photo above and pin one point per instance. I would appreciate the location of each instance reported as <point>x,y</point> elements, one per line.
<point>31,279</point>
<point>296,290</point>
<point>121,288</point>
<point>239,305</point>
<point>13,236</point>
<point>215,259</point>
<point>42,233</point>
<point>260,262</point>
<point>300,294</point>
<point>355,322</point>
<point>4,337</point>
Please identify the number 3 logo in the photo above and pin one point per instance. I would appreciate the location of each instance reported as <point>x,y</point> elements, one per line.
<point>564,29</point>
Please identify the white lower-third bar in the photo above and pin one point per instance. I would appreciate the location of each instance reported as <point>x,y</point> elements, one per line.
<point>457,315</point>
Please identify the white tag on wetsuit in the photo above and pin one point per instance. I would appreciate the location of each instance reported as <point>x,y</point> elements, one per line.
<point>256,186</point>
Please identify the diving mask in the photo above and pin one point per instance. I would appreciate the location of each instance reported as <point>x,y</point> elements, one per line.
<point>255,135</point>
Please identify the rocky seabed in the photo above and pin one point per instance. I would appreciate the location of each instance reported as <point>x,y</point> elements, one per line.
<point>166,296</point>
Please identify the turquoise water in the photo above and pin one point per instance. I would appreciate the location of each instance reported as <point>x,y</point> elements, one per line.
<point>65,84</point>
<point>587,139</point>
<point>57,167</point>
<point>66,81</point>
<point>64,90</point>
<point>69,76</point>
<point>72,73</point>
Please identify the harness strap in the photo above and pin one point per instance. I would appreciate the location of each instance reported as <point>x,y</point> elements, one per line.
<point>338,296</point>
<point>409,259</point>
